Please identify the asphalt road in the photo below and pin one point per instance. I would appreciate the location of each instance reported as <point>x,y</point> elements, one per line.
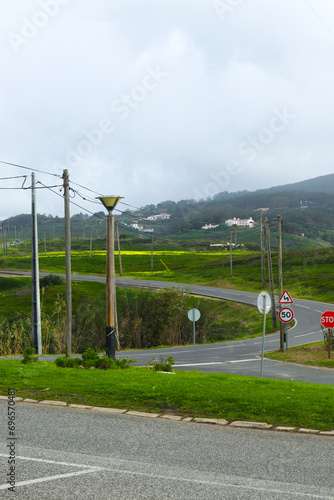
<point>241,357</point>
<point>69,453</point>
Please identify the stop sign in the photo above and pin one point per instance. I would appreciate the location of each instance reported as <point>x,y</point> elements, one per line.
<point>327,319</point>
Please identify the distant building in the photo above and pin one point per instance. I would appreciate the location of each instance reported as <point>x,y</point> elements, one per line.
<point>262,209</point>
<point>240,222</point>
<point>210,226</point>
<point>158,216</point>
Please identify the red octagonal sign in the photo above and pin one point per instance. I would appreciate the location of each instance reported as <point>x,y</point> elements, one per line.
<point>327,319</point>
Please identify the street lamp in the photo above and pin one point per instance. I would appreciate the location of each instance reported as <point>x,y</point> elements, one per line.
<point>110,203</point>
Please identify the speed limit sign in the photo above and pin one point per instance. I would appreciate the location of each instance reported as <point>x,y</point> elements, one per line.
<point>285,314</point>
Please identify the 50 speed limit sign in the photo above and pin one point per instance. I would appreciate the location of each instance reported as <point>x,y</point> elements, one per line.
<point>285,314</point>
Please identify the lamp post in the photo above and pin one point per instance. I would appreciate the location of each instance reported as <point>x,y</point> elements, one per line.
<point>110,203</point>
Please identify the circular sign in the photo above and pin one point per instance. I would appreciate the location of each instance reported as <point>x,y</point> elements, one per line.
<point>264,302</point>
<point>286,314</point>
<point>327,319</point>
<point>194,314</point>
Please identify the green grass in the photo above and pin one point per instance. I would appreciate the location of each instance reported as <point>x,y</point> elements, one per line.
<point>185,393</point>
<point>309,354</point>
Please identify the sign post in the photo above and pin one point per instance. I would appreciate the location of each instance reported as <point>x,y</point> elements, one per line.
<point>327,321</point>
<point>285,314</point>
<point>194,316</point>
<point>264,306</point>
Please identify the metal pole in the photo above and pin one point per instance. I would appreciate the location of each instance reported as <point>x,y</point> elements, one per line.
<point>263,272</point>
<point>36,305</point>
<point>68,264</point>
<point>231,253</point>
<point>271,279</point>
<point>111,287</point>
<point>286,336</point>
<point>194,328</point>
<point>264,332</point>
<point>280,278</point>
<point>329,343</point>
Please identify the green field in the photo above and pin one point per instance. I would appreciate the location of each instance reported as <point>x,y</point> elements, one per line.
<point>306,273</point>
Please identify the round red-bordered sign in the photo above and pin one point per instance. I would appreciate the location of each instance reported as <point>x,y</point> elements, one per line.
<point>286,315</point>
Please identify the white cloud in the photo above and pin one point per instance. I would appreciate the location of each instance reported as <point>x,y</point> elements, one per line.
<point>221,80</point>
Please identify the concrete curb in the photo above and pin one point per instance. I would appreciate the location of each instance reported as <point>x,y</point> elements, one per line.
<point>213,421</point>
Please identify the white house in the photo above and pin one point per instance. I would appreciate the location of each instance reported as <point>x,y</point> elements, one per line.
<point>135,225</point>
<point>240,222</point>
<point>210,226</point>
<point>159,216</point>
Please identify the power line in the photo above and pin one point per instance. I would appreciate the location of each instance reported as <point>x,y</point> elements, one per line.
<point>28,168</point>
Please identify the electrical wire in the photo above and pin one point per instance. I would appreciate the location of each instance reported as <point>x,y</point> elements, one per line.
<point>28,168</point>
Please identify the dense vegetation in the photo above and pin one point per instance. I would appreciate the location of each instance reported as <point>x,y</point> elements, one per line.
<point>145,319</point>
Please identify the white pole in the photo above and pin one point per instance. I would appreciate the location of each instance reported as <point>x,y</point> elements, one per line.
<point>264,332</point>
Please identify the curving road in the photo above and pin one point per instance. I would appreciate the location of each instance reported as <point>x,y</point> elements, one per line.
<point>238,357</point>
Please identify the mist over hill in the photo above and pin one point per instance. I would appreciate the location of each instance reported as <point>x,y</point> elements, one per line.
<point>307,209</point>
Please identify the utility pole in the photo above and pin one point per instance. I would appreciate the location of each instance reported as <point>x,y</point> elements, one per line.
<point>152,254</point>
<point>119,252</point>
<point>263,267</point>
<point>36,304</point>
<point>111,288</point>
<point>44,241</point>
<point>271,279</point>
<point>231,253</point>
<point>280,278</point>
<point>91,242</point>
<point>68,347</point>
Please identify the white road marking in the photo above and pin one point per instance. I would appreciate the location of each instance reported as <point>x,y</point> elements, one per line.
<point>51,478</point>
<point>217,362</point>
<point>88,470</point>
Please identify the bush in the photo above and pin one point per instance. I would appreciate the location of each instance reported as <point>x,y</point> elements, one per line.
<point>65,362</point>
<point>51,280</point>
<point>162,366</point>
<point>91,358</point>
<point>29,355</point>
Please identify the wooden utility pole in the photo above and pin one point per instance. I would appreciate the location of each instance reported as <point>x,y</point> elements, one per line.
<point>263,266</point>
<point>111,290</point>
<point>231,254</point>
<point>68,264</point>
<point>44,240</point>
<point>271,279</point>
<point>151,254</point>
<point>280,278</point>
<point>35,295</point>
<point>119,252</point>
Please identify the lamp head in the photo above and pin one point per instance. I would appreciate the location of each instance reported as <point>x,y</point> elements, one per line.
<point>110,202</point>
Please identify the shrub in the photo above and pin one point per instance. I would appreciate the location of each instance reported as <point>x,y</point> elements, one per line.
<point>51,280</point>
<point>65,362</point>
<point>161,365</point>
<point>29,355</point>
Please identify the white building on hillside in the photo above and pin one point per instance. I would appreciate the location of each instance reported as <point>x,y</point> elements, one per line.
<point>210,226</point>
<point>240,222</point>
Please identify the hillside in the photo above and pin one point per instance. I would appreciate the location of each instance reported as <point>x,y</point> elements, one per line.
<point>307,209</point>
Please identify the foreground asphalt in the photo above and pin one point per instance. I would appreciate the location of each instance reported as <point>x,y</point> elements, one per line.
<point>73,453</point>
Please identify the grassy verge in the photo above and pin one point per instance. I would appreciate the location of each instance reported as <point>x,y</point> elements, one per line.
<point>310,354</point>
<point>185,393</point>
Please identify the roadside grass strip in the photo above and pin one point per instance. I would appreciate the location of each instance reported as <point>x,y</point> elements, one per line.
<point>232,398</point>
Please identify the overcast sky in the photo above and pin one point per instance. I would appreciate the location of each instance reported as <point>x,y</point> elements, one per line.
<point>164,99</point>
